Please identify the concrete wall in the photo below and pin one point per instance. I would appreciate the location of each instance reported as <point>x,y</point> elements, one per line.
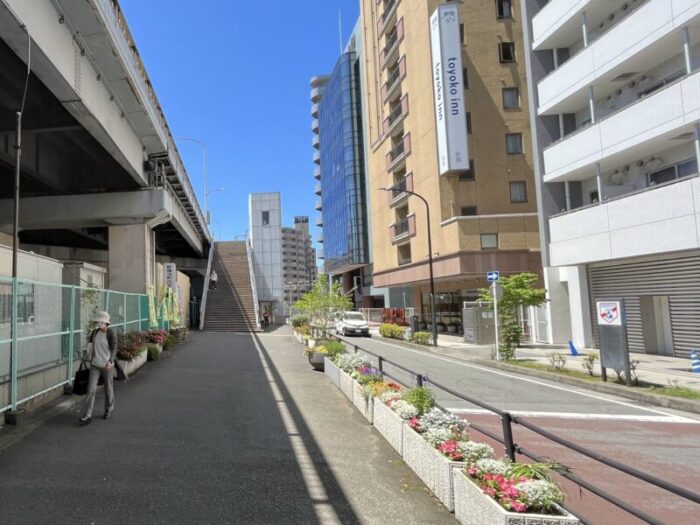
<point>266,240</point>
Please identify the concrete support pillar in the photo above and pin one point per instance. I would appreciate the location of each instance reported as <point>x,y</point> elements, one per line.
<point>576,279</point>
<point>584,28</point>
<point>559,319</point>
<point>132,258</point>
<point>591,104</point>
<point>686,51</point>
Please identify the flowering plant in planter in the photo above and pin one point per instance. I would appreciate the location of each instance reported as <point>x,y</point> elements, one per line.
<point>376,389</point>
<point>366,375</point>
<point>157,336</point>
<point>131,345</point>
<point>348,362</point>
<point>516,493</point>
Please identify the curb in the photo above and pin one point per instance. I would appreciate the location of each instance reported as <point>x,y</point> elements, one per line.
<point>686,405</point>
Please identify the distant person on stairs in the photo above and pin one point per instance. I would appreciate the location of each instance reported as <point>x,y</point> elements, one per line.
<point>213,278</point>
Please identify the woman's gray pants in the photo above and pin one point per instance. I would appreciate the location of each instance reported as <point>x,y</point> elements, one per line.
<point>95,373</point>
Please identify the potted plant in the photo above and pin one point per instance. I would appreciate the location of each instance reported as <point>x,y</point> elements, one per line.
<point>132,351</point>
<point>388,422</point>
<point>347,364</point>
<point>492,491</point>
<point>366,378</point>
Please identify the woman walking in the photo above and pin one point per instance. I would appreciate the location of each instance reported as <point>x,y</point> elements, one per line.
<point>104,342</point>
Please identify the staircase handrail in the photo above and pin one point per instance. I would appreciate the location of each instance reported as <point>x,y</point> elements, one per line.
<point>203,306</point>
<point>251,270</point>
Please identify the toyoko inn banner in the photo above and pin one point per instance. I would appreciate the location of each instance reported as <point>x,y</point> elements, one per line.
<point>448,84</point>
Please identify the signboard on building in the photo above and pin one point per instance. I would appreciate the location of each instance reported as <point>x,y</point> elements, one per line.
<point>448,88</point>
<point>170,273</point>
<point>609,313</point>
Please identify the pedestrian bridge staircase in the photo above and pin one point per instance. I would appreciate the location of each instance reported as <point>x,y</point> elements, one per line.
<point>231,305</point>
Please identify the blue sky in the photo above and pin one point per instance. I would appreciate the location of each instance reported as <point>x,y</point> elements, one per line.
<point>235,75</point>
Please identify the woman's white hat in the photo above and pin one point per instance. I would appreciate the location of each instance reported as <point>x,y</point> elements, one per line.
<point>101,317</point>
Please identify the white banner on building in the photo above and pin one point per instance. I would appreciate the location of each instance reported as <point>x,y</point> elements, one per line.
<point>448,84</point>
<point>170,271</point>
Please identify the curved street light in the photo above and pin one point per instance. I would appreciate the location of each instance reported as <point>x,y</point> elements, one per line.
<point>430,257</point>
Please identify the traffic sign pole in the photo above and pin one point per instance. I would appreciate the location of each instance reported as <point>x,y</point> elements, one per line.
<point>495,317</point>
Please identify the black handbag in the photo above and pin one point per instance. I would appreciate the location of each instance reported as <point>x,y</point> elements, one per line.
<point>82,380</point>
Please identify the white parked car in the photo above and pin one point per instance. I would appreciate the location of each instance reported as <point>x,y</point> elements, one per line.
<point>352,323</point>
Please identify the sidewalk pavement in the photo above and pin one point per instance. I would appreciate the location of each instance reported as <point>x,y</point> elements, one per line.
<point>658,369</point>
<point>228,428</point>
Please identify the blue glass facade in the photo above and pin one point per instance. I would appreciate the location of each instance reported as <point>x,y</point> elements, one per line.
<point>345,235</point>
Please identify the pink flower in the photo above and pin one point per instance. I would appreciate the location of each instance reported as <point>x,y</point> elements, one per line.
<point>518,506</point>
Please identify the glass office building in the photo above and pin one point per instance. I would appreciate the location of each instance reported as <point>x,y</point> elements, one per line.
<point>345,231</point>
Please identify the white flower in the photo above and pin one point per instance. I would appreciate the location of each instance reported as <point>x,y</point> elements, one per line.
<point>389,396</point>
<point>492,466</point>
<point>404,410</point>
<point>473,451</point>
<point>348,362</point>
<point>437,435</point>
<point>436,418</point>
<point>540,494</point>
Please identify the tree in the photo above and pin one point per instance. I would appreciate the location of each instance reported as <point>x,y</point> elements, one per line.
<point>518,290</point>
<point>322,304</point>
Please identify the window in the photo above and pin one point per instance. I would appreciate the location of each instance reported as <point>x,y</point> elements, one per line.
<point>511,98</point>
<point>506,52</point>
<point>470,174</point>
<point>504,9</point>
<point>266,218</point>
<point>489,241</point>
<point>514,143</point>
<point>669,173</point>
<point>518,191</point>
<point>465,78</point>
<point>468,211</point>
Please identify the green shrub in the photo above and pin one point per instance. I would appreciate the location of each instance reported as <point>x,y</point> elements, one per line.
<point>420,397</point>
<point>333,348</point>
<point>153,351</point>
<point>300,320</point>
<point>303,329</point>
<point>392,331</point>
<point>422,338</point>
<point>169,342</point>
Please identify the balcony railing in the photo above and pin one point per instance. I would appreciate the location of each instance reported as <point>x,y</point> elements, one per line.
<point>399,194</point>
<point>397,151</point>
<point>389,9</point>
<point>403,229</point>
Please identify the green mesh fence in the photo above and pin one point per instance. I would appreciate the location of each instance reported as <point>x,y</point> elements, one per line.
<point>52,324</point>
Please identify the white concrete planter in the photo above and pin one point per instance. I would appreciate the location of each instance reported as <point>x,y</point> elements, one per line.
<point>132,366</point>
<point>362,402</point>
<point>432,467</point>
<point>346,384</point>
<point>473,507</point>
<point>332,372</point>
<point>389,425</point>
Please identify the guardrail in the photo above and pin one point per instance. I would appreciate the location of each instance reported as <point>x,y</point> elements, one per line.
<point>205,291</point>
<point>511,448</point>
<point>251,269</point>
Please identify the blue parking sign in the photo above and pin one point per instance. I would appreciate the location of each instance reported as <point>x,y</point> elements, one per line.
<point>492,277</point>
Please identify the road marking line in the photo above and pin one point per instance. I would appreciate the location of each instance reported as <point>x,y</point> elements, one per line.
<point>575,415</point>
<point>528,380</point>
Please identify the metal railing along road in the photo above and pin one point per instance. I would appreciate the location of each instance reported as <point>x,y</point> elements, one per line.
<point>511,448</point>
<point>44,327</point>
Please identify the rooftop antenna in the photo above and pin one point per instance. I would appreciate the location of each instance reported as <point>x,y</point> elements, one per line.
<point>340,32</point>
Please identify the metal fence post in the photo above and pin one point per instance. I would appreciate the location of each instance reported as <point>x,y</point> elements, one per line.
<point>124,314</point>
<point>380,360</point>
<point>139,301</point>
<point>419,380</point>
<point>506,423</point>
<point>14,353</point>
<point>71,333</point>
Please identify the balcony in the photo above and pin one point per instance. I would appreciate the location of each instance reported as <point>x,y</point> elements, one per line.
<point>647,37</point>
<point>319,205</point>
<point>317,173</point>
<point>387,17</point>
<point>660,219</point>
<point>399,196</point>
<point>315,125</point>
<point>317,157</point>
<point>319,220</point>
<point>391,50</point>
<point>317,93</point>
<point>315,108</point>
<point>317,188</point>
<point>396,158</point>
<point>394,79</point>
<point>316,142</point>
<point>319,238</point>
<point>402,230</point>
<point>650,124</point>
<point>396,115</point>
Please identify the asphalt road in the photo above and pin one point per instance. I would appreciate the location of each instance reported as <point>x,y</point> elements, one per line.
<point>226,429</point>
<point>661,442</point>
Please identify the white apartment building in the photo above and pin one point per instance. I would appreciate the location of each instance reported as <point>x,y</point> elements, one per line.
<point>298,260</point>
<point>615,107</point>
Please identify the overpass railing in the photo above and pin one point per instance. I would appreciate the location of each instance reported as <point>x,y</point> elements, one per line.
<point>506,438</point>
<point>251,269</point>
<point>44,327</point>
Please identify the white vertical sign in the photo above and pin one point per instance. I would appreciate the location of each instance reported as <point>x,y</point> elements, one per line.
<point>448,84</point>
<point>170,271</point>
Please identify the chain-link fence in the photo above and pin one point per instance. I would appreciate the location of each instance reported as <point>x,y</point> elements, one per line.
<point>44,327</point>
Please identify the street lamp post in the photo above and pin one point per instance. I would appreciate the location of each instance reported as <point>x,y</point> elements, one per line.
<point>430,258</point>
<point>206,175</point>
